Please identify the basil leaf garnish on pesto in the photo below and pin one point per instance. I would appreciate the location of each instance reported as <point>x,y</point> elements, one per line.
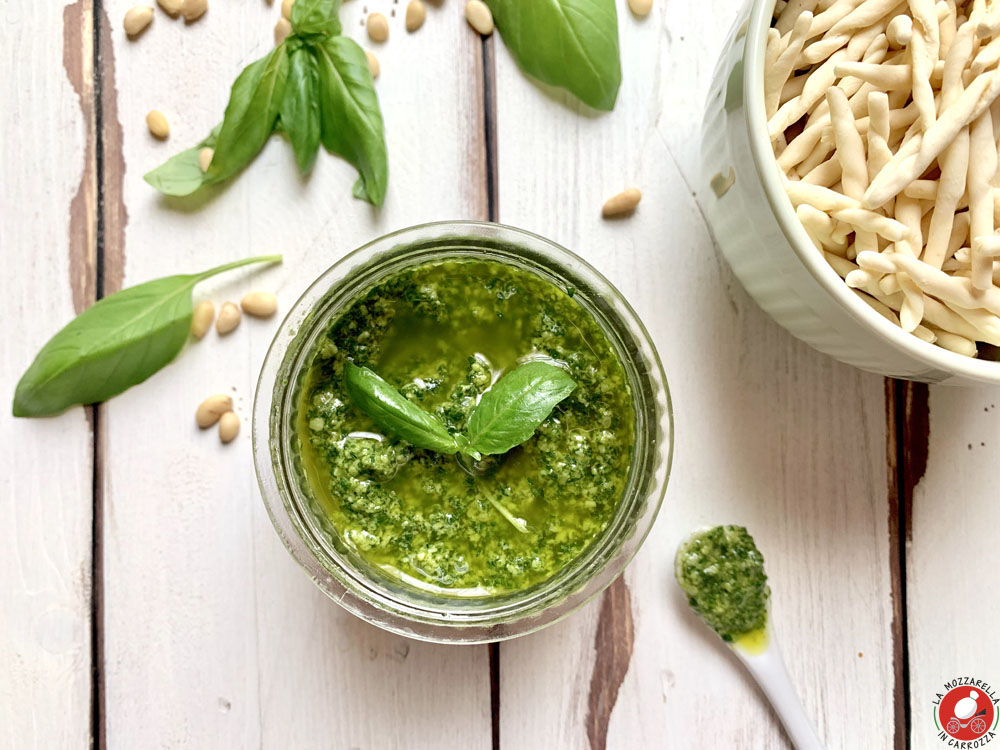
<point>722,572</point>
<point>572,44</point>
<point>115,344</point>
<point>394,413</point>
<point>511,411</point>
<point>506,416</point>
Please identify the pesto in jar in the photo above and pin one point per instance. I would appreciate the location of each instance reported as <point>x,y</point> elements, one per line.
<point>722,572</point>
<point>442,333</point>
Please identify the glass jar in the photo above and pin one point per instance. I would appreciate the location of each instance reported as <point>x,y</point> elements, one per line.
<point>305,528</point>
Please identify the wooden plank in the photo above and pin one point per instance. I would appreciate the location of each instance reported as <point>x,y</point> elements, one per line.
<point>952,553</point>
<point>770,434</point>
<point>47,181</point>
<point>214,637</point>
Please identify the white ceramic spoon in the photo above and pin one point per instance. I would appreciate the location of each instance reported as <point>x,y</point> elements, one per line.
<point>762,658</point>
<point>768,669</point>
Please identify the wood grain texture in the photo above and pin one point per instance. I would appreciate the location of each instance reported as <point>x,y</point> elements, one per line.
<point>112,213</point>
<point>614,641</point>
<point>214,638</point>
<point>78,64</point>
<point>47,245</point>
<point>952,554</point>
<point>769,433</point>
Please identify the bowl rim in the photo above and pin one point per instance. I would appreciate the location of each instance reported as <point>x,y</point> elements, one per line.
<point>932,356</point>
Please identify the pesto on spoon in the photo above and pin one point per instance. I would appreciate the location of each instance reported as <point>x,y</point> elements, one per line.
<point>722,572</point>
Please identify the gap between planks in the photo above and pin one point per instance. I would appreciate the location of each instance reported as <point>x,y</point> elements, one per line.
<point>98,735</point>
<point>109,268</point>
<point>907,431</point>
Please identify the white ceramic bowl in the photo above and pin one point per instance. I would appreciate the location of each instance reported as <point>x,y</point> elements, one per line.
<point>756,228</point>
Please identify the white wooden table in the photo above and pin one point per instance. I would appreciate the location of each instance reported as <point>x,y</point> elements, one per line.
<point>145,601</point>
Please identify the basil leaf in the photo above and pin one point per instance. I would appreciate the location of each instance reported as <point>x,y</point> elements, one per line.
<point>511,411</point>
<point>114,344</point>
<point>181,174</point>
<point>394,413</point>
<point>250,118</point>
<point>300,107</point>
<point>316,17</point>
<point>350,116</point>
<point>250,115</point>
<point>572,44</point>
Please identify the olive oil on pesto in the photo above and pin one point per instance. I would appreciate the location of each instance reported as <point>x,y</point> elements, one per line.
<point>442,333</point>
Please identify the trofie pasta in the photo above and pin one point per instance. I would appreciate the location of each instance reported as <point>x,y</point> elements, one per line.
<point>884,117</point>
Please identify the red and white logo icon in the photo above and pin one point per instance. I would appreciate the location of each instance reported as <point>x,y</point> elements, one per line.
<point>966,713</point>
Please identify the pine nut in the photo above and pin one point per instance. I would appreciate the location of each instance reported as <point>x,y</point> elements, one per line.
<point>205,157</point>
<point>623,203</point>
<point>201,319</point>
<point>281,30</point>
<point>286,9</point>
<point>229,318</point>
<point>378,27</point>
<point>373,65</point>
<point>137,19</point>
<point>229,427</point>
<point>640,7</point>
<point>157,123</point>
<point>211,409</point>
<point>171,7</point>
<point>192,10</point>
<point>259,304</point>
<point>478,14</point>
<point>415,15</point>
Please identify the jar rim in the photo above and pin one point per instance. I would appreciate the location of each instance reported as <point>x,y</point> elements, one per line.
<point>405,609</point>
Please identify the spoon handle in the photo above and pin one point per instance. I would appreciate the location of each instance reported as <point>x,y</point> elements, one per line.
<point>768,669</point>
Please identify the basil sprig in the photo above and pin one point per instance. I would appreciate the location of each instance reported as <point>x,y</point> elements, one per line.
<point>506,416</point>
<point>118,342</point>
<point>572,44</point>
<point>317,88</point>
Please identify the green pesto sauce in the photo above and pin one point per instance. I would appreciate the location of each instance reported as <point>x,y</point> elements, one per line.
<point>442,333</point>
<point>722,572</point>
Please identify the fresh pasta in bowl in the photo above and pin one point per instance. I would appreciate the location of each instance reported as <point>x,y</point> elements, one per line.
<point>851,174</point>
<point>884,118</point>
